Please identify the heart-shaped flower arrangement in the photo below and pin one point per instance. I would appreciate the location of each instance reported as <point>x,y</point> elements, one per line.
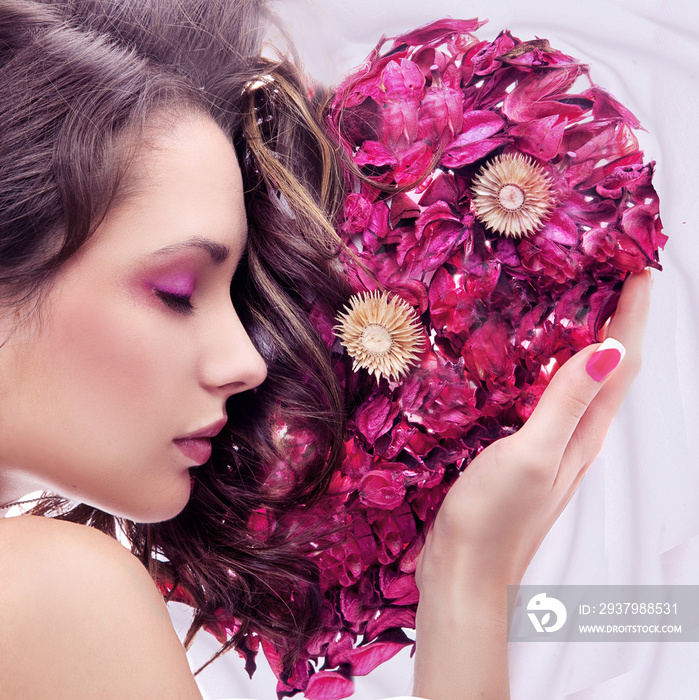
<point>494,209</point>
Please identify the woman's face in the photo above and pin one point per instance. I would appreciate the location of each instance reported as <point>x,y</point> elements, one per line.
<point>138,343</point>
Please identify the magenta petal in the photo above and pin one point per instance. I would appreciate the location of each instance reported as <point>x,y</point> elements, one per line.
<point>624,176</point>
<point>442,189</point>
<point>375,153</point>
<point>436,32</point>
<point>402,80</point>
<point>328,685</point>
<point>382,488</point>
<point>441,111</point>
<point>414,164</point>
<point>643,226</point>
<point>376,417</point>
<point>377,228</point>
<point>365,659</point>
<point>356,214</point>
<point>537,88</point>
<point>607,107</point>
<point>540,138</point>
<point>478,125</point>
<point>600,243</point>
<point>463,155</point>
<point>486,351</point>
<point>398,586</point>
<point>404,84</point>
<point>390,618</point>
<point>560,228</point>
<point>538,52</point>
<point>485,61</point>
<point>403,207</point>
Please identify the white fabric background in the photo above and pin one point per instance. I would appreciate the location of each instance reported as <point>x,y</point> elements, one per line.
<point>635,518</point>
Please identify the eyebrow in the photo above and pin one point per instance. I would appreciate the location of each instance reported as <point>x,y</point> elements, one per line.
<point>218,252</point>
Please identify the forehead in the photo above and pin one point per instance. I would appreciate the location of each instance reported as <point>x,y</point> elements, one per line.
<point>184,182</point>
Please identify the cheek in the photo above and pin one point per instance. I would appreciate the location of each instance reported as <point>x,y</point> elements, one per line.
<point>107,351</point>
<point>120,366</point>
<point>104,397</point>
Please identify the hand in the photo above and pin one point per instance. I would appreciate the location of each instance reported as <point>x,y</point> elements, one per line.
<point>499,510</point>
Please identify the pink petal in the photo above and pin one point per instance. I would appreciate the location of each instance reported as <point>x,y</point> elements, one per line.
<point>538,52</point>
<point>382,488</point>
<point>485,61</point>
<point>414,164</point>
<point>375,153</point>
<point>441,113</point>
<point>328,685</point>
<point>643,226</point>
<point>376,417</point>
<point>607,107</point>
<point>365,659</point>
<point>560,228</point>
<point>624,176</point>
<point>402,80</point>
<point>478,125</point>
<point>436,32</point>
<point>356,214</point>
<point>377,228</point>
<point>398,586</point>
<point>538,88</point>
<point>390,618</point>
<point>442,189</point>
<point>485,352</point>
<point>455,157</point>
<point>403,207</point>
<point>540,138</point>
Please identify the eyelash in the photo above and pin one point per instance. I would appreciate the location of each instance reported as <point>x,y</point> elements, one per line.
<point>176,302</point>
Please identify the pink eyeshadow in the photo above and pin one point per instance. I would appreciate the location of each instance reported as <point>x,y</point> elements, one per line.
<point>178,284</point>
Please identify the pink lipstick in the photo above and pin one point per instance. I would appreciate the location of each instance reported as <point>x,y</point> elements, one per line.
<point>196,449</point>
<point>197,445</point>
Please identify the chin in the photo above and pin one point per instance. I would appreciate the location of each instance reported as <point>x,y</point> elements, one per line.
<point>164,510</point>
<point>162,503</point>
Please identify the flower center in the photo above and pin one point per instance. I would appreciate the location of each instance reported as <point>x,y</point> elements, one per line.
<point>376,339</point>
<point>511,197</point>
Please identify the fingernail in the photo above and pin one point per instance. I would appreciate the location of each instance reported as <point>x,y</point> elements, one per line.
<point>605,359</point>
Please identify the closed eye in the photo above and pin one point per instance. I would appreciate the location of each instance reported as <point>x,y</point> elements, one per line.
<point>177,302</point>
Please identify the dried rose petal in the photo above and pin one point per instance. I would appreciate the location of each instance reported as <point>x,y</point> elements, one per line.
<point>421,118</point>
<point>328,685</point>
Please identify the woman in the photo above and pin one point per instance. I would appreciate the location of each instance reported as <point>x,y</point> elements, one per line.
<point>147,162</point>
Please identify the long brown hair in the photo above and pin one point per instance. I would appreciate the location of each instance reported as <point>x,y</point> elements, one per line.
<point>111,65</point>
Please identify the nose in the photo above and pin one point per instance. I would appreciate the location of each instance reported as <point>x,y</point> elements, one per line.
<point>231,362</point>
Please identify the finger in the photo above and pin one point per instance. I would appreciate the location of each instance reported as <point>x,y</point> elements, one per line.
<point>551,426</point>
<point>629,321</point>
<point>549,429</point>
<point>628,325</point>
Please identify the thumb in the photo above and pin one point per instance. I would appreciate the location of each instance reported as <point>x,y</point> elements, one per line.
<point>568,395</point>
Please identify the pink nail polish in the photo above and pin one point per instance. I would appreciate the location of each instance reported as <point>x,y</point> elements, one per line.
<point>606,358</point>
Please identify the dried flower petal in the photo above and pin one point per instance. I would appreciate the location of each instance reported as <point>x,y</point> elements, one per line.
<point>512,195</point>
<point>563,179</point>
<point>381,335</point>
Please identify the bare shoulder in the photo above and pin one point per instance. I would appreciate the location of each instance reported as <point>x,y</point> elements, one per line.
<point>79,606</point>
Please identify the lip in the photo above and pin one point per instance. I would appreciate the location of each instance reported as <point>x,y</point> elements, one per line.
<point>196,449</point>
<point>210,431</point>
<point>197,445</point>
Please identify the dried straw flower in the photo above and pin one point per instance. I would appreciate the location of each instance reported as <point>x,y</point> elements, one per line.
<point>381,335</point>
<point>512,195</point>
